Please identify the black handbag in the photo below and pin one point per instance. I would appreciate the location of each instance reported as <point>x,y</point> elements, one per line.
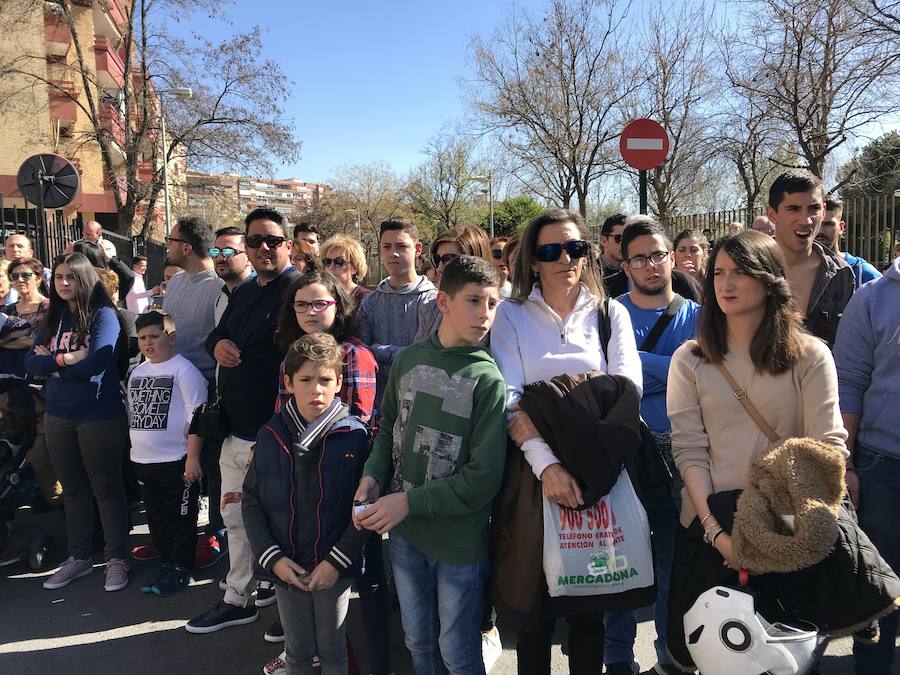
<point>210,421</point>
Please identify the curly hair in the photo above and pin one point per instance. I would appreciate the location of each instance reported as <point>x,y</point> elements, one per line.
<point>352,250</point>
<point>344,326</point>
<point>779,341</point>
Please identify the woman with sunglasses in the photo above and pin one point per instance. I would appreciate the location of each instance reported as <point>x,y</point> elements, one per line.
<point>345,258</point>
<point>85,422</point>
<point>549,327</point>
<point>26,276</point>
<point>450,244</point>
<point>318,303</point>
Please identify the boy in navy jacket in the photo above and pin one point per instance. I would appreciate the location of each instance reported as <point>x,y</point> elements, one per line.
<point>297,504</point>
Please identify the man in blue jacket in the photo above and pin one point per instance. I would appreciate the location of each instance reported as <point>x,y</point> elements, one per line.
<point>830,234</point>
<point>867,356</point>
<point>662,321</point>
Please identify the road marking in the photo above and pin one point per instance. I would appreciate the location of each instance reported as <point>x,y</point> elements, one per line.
<point>643,144</point>
<point>43,644</point>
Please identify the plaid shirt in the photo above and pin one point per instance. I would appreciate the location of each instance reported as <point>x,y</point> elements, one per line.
<point>358,388</point>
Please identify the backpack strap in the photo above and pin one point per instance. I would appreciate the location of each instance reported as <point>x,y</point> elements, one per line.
<point>605,327</point>
<point>649,343</point>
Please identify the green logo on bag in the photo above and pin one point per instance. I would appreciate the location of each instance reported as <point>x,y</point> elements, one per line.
<point>609,577</point>
<point>599,563</point>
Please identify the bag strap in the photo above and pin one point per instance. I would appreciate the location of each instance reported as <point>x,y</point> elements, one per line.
<point>605,327</point>
<point>649,343</point>
<point>741,395</point>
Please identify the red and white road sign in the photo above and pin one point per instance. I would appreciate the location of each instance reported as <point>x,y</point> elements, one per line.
<point>644,144</point>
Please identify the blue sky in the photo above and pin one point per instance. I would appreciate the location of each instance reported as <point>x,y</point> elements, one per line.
<point>373,80</point>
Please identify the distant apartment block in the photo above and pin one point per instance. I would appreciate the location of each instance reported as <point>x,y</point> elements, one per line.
<point>282,194</point>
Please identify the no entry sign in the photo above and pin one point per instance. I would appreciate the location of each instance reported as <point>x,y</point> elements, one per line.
<point>644,144</point>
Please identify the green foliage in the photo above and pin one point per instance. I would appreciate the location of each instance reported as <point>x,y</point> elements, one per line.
<point>511,215</point>
<point>876,170</point>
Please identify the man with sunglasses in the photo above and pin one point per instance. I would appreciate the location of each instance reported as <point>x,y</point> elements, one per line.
<point>662,320</point>
<point>231,264</point>
<point>243,345</point>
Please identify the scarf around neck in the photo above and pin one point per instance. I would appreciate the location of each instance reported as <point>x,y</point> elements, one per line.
<point>305,435</point>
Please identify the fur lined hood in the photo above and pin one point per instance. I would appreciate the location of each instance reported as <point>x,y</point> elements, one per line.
<point>801,478</point>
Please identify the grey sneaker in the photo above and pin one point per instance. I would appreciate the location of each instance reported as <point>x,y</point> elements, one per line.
<point>116,575</point>
<point>68,572</point>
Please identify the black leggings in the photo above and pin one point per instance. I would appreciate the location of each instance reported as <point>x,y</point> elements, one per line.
<point>87,457</point>
<point>171,510</point>
<point>585,645</point>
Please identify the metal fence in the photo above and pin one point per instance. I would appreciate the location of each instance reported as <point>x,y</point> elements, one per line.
<point>873,225</point>
<point>48,239</point>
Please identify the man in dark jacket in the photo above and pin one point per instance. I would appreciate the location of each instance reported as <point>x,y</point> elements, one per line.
<point>243,346</point>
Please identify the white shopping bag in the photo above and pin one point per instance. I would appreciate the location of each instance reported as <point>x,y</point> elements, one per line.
<point>601,550</point>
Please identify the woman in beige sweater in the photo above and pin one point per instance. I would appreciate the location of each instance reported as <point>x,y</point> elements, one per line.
<point>750,325</point>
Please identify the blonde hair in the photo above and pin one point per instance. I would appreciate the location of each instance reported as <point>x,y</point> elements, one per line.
<point>353,251</point>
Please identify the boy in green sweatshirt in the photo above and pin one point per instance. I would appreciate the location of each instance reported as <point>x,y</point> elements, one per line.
<point>438,460</point>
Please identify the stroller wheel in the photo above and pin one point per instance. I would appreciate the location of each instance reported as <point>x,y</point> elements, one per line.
<point>39,555</point>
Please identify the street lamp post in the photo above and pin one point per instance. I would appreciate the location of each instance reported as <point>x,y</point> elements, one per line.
<point>358,231</point>
<point>178,92</point>
<point>490,184</point>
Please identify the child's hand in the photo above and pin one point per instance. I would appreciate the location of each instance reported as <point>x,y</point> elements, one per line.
<point>192,470</point>
<point>231,498</point>
<point>368,489</point>
<point>322,578</point>
<point>290,572</point>
<point>385,514</point>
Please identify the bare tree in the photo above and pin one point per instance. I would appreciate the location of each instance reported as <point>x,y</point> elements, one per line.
<point>884,15</point>
<point>550,87</point>
<point>234,120</point>
<point>375,191</point>
<point>677,93</point>
<point>440,189</point>
<point>816,67</point>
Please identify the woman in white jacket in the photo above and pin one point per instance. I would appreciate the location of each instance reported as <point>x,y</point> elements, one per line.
<point>549,327</point>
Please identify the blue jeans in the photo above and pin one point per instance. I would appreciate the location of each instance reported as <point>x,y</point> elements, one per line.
<point>440,608</point>
<point>621,627</point>
<point>879,504</point>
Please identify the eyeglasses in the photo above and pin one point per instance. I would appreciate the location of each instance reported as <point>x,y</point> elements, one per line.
<point>551,252</point>
<point>446,258</point>
<point>258,240</point>
<point>497,253</point>
<point>337,262</point>
<point>316,305</point>
<point>24,276</point>
<point>638,261</point>
<point>171,239</point>
<point>225,252</point>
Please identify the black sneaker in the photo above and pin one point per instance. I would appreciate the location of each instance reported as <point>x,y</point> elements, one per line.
<point>221,616</point>
<point>176,578</point>
<point>265,594</point>
<point>160,572</point>
<point>275,633</point>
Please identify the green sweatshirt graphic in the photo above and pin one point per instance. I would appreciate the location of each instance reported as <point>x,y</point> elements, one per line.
<point>442,441</point>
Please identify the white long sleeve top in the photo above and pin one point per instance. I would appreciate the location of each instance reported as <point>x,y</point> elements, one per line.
<point>530,343</point>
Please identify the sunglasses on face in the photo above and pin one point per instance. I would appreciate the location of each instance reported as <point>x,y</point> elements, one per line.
<point>337,262</point>
<point>551,252</point>
<point>497,253</point>
<point>24,276</point>
<point>657,258</point>
<point>446,258</point>
<point>317,306</point>
<point>258,240</point>
<point>225,252</point>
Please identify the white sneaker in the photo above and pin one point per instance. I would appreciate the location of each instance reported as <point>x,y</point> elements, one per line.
<point>491,648</point>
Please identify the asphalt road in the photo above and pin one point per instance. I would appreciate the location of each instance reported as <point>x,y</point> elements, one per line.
<point>84,630</point>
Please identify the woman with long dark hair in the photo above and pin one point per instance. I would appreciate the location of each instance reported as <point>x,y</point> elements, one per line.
<point>85,422</point>
<point>750,326</point>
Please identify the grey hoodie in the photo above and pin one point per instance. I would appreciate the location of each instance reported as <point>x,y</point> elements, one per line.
<point>867,356</point>
<point>388,321</point>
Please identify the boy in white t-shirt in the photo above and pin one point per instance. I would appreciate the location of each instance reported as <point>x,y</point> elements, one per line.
<point>163,393</point>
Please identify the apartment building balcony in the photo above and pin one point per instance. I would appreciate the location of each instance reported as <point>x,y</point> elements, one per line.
<point>57,36</point>
<point>109,19</point>
<point>110,68</point>
<point>145,171</point>
<point>62,96</point>
<point>113,121</point>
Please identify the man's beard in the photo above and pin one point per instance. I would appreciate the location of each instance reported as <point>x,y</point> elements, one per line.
<point>649,291</point>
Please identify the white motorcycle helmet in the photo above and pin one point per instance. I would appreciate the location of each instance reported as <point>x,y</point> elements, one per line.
<point>726,636</point>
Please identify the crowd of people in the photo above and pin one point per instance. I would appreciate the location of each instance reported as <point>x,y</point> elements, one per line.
<point>481,392</point>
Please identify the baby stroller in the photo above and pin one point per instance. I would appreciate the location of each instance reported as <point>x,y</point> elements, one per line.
<point>26,474</point>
